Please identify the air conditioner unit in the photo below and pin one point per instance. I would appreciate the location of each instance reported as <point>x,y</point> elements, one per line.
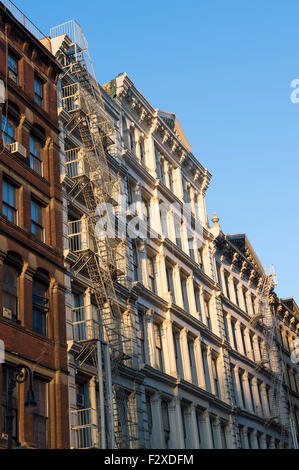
<point>7,313</point>
<point>80,400</point>
<point>18,148</point>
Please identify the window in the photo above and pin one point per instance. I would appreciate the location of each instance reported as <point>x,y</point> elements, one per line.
<point>13,67</point>
<point>226,276</point>
<point>233,323</point>
<point>216,378</point>
<point>151,273</point>
<point>243,339</point>
<point>253,304</point>
<point>206,368</point>
<point>149,416</point>
<point>37,223</point>
<point>200,258</point>
<point>197,301</point>
<point>212,426</point>
<point>38,91</point>
<point>219,275</point>
<point>8,129</point>
<point>159,165</point>
<point>251,394</point>
<point>223,436</point>
<point>142,152</point>
<point>192,361</point>
<point>249,437</point>
<point>252,347</point>
<point>170,286</point>
<point>226,332</point>
<point>36,163</point>
<point>183,411</point>
<point>142,336</point>
<point>135,260</point>
<point>260,397</point>
<point>245,299</point>
<point>10,286</point>
<point>186,191</point>
<point>9,206</point>
<point>6,371</point>
<point>40,307</point>
<point>158,344</point>
<point>236,293</point>
<point>185,293</point>
<point>79,323</point>
<point>207,309</point>
<point>40,417</point>
<point>166,424</point>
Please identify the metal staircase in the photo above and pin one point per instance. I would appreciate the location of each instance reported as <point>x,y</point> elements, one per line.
<point>105,257</point>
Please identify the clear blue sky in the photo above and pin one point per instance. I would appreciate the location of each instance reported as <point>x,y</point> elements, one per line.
<point>225,68</point>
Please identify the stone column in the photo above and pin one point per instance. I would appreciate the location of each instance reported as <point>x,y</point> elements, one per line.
<point>170,351</point>
<point>263,441</point>
<point>256,397</point>
<point>185,355</point>
<point>229,328</point>
<point>265,400</point>
<point>162,284</point>
<point>192,418</point>
<point>241,298</point>
<point>202,304</point>
<point>199,363</point>
<point>206,426</point>
<point>158,441</point>
<point>249,303</point>
<point>155,214</point>
<point>256,348</point>
<point>176,425</point>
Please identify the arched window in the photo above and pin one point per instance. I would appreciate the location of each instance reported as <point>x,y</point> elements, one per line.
<point>37,143</point>
<point>40,302</point>
<point>12,268</point>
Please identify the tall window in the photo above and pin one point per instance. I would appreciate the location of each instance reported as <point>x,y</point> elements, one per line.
<point>9,206</point>
<point>260,397</point>
<point>186,191</point>
<point>170,286</point>
<point>8,129</point>
<point>185,293</point>
<point>40,417</point>
<point>37,223</point>
<point>142,336</point>
<point>216,377</point>
<point>225,320</point>
<point>208,316</point>
<point>10,288</point>
<point>251,394</point>
<point>206,368</point>
<point>36,163</point>
<point>212,426</point>
<point>158,344</point>
<point>236,293</point>
<point>142,152</point>
<point>223,436</point>
<point>38,91</point>
<point>40,306</point>
<point>243,340</point>
<point>253,304</point>
<point>6,371</point>
<point>166,424</point>
<point>245,299</point>
<point>149,416</point>
<point>200,258</point>
<point>197,301</point>
<point>219,275</point>
<point>233,323</point>
<point>151,273</point>
<point>135,260</point>
<point>13,67</point>
<point>252,347</point>
<point>226,276</point>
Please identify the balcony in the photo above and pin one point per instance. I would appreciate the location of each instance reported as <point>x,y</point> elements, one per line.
<point>84,424</point>
<point>75,164</point>
<point>84,330</point>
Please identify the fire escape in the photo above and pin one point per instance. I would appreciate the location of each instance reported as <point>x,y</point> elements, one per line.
<point>270,358</point>
<point>98,243</point>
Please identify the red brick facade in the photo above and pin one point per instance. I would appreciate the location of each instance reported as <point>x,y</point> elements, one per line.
<point>39,343</point>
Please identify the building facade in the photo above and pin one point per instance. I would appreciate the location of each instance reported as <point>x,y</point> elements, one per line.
<point>32,296</point>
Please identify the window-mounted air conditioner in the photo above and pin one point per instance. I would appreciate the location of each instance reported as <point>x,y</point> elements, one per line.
<point>7,313</point>
<point>18,148</point>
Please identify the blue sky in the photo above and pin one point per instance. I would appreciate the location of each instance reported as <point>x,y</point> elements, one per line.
<point>225,68</point>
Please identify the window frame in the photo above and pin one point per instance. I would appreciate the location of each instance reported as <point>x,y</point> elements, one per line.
<point>39,94</point>
<point>39,224</point>
<point>13,72</point>
<point>11,209</point>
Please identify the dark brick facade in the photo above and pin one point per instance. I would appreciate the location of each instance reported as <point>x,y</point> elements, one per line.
<point>37,260</point>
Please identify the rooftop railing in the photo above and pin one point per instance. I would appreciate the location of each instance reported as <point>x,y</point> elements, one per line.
<point>7,4</point>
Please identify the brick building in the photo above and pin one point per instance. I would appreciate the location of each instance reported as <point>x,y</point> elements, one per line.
<point>32,305</point>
